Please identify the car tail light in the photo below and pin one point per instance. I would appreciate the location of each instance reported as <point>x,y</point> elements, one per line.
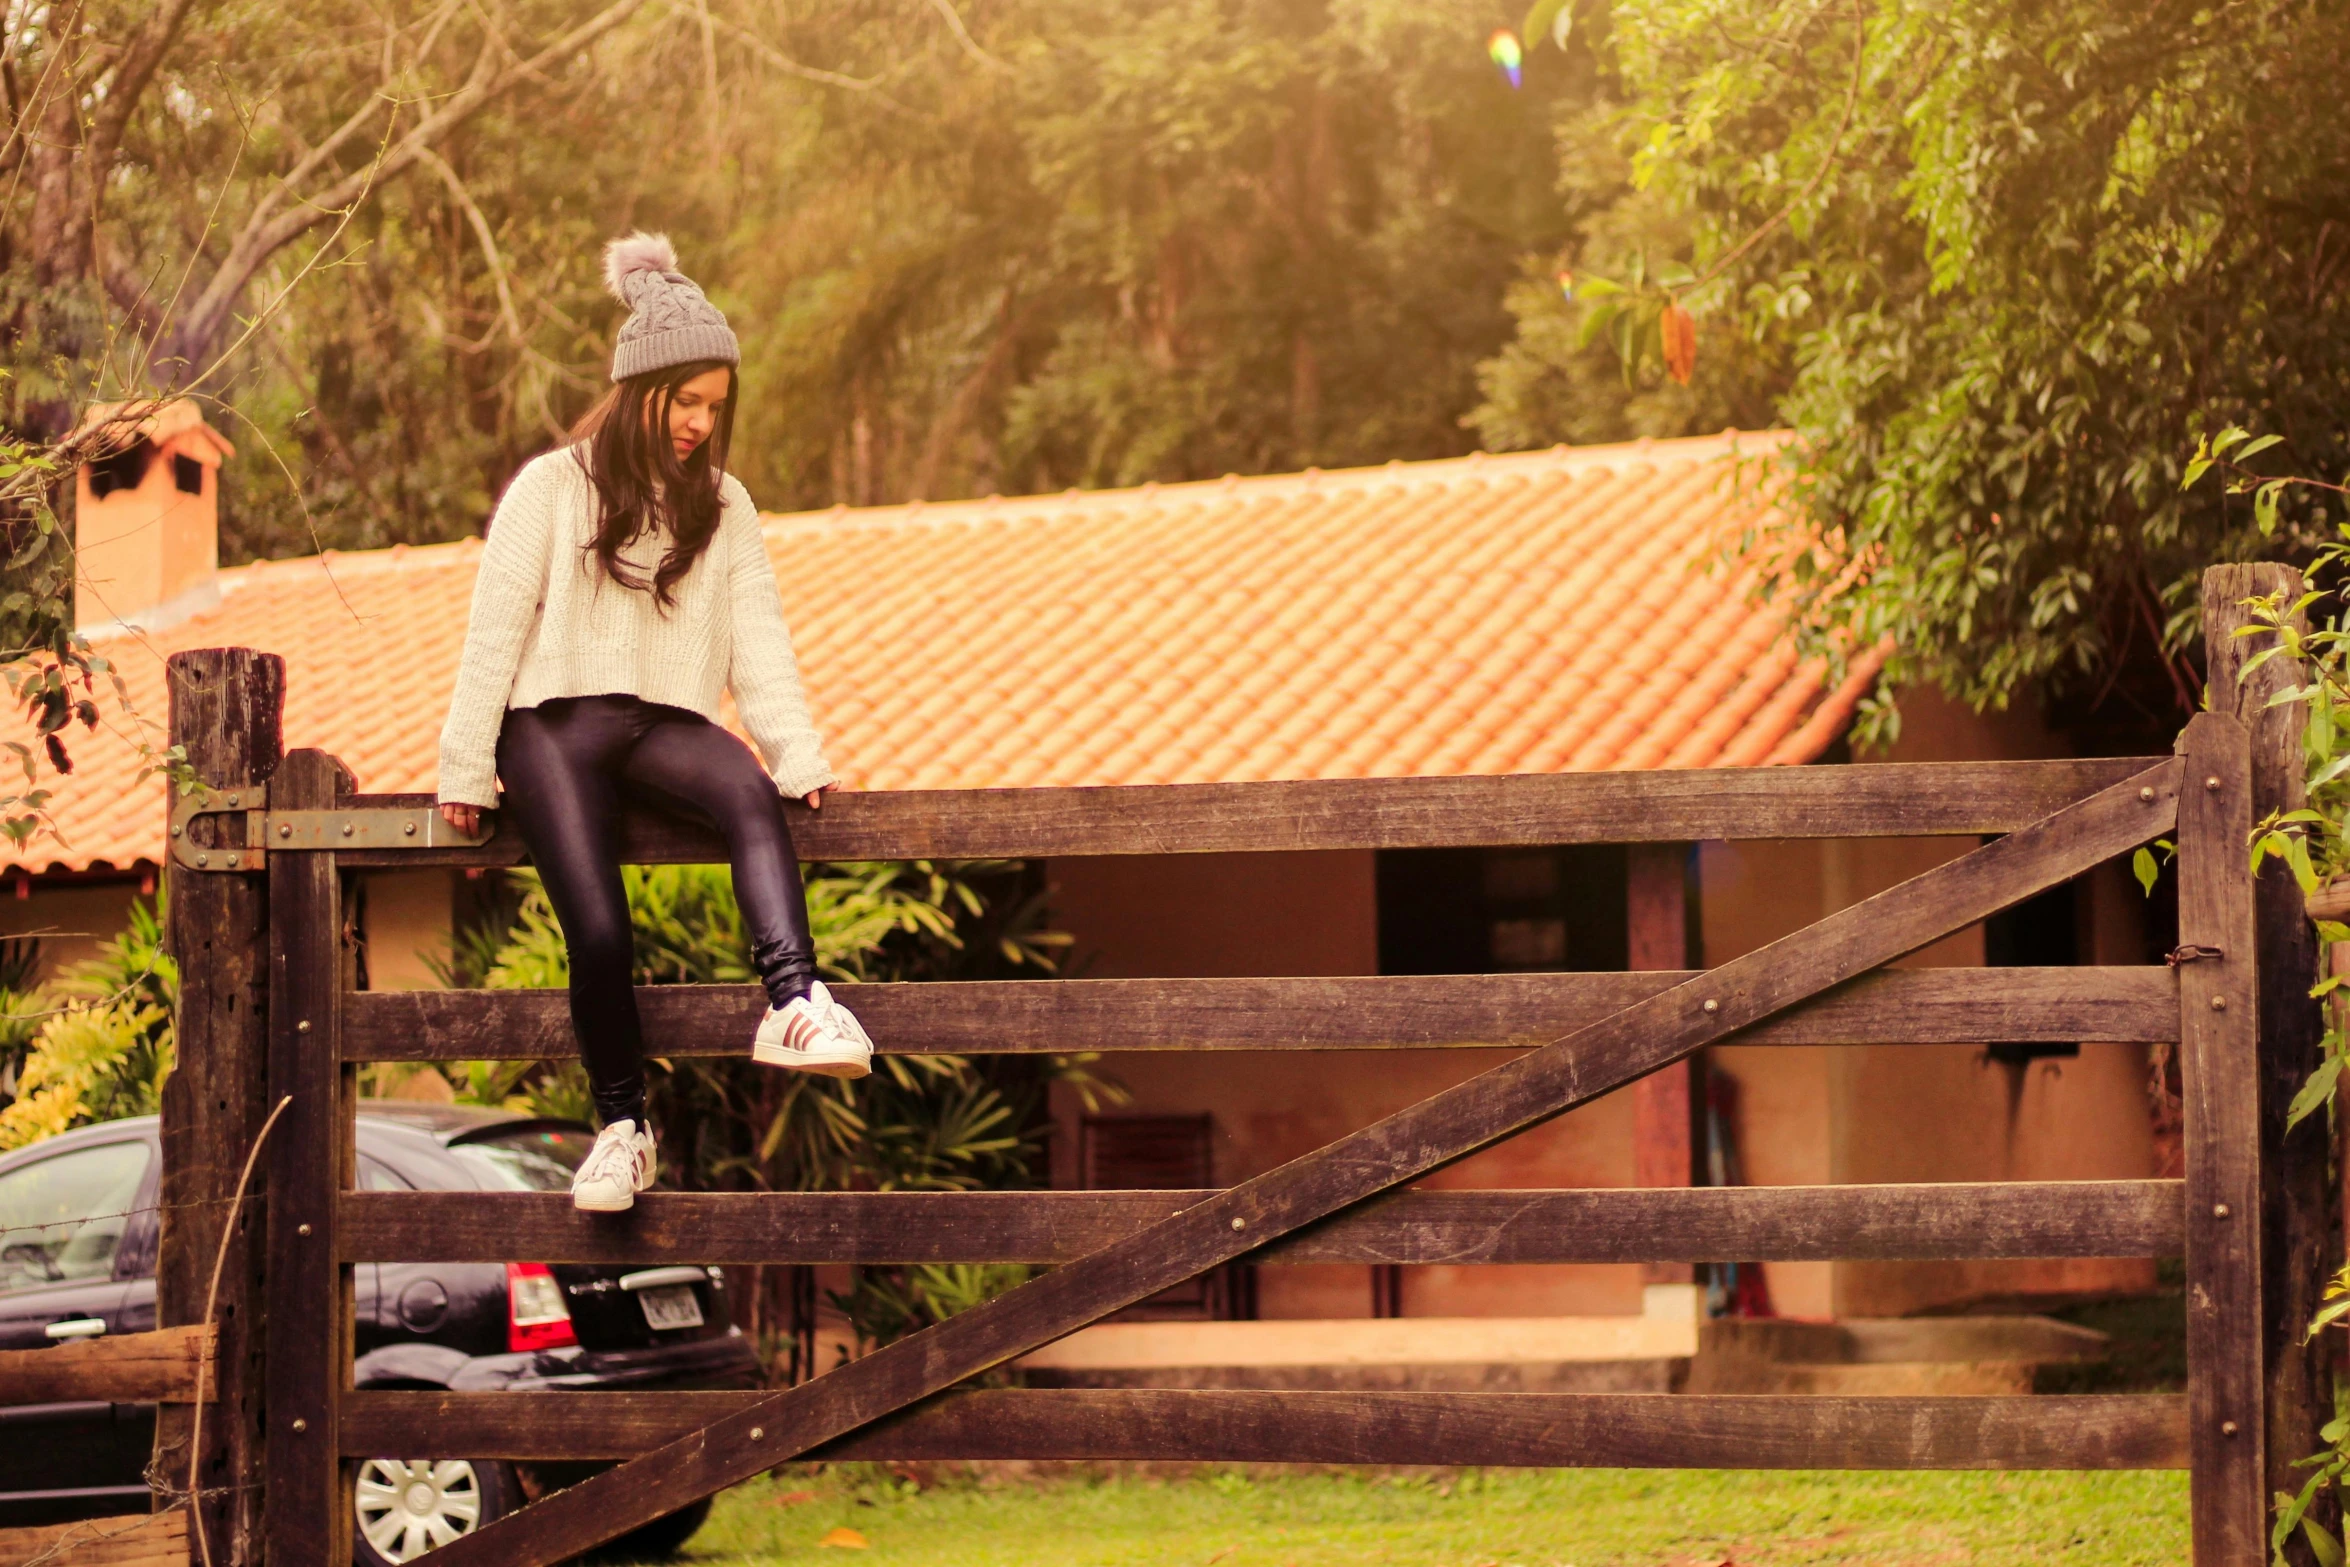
<point>536,1317</point>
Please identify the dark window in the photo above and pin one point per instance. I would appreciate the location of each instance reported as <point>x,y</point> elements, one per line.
<point>1165,1153</point>
<point>120,470</point>
<point>188,474</point>
<point>2041,932</point>
<point>1498,911</point>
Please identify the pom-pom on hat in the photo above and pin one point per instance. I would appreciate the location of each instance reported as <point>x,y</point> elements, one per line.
<point>669,322</point>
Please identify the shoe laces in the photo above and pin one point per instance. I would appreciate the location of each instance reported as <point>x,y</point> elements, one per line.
<point>613,1148</point>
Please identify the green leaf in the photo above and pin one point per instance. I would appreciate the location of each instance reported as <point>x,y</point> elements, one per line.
<point>2259,446</point>
<point>2264,507</point>
<point>2312,1098</point>
<point>2195,470</point>
<point>2229,438</point>
<point>1549,18</point>
<point>2143,867</point>
<point>2322,1544</point>
<point>2297,858</point>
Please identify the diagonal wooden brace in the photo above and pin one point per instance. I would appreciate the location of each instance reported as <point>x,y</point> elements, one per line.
<point>1407,1145</point>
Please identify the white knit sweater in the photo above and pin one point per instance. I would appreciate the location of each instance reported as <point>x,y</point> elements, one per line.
<point>547,623</point>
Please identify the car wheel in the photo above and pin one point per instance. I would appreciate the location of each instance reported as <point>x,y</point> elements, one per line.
<point>406,1507</point>
<point>664,1536</point>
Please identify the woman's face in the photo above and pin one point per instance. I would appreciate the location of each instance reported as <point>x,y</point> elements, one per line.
<point>693,412</point>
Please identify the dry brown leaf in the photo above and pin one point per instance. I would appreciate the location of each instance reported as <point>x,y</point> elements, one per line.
<point>791,1498</point>
<point>1678,333</point>
<point>846,1538</point>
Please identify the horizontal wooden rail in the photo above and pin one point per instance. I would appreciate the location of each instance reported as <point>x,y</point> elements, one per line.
<point>1653,1430</point>
<point>1700,1224</point>
<point>159,1367</point>
<point>1878,800</point>
<point>127,1540</point>
<point>1894,1006</point>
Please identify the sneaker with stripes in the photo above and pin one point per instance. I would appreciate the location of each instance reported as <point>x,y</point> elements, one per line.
<point>813,1033</point>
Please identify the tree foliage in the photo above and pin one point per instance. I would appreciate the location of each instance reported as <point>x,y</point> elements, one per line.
<point>100,1038</point>
<point>1999,264</point>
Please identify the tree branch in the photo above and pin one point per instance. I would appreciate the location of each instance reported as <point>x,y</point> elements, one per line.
<point>266,234</point>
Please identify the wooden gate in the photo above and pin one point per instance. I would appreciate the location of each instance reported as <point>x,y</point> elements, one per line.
<point>2045,822</point>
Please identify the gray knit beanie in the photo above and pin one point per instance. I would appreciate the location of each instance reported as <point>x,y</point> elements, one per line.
<point>669,322</point>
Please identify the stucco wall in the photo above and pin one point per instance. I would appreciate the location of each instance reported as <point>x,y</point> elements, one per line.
<point>1812,1115</point>
<point>405,918</point>
<point>1209,915</point>
<point>70,920</point>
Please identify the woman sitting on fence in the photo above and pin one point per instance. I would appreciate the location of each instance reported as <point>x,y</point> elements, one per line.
<point>624,587</point>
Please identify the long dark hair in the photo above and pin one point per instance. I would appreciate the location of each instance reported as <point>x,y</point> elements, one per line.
<point>623,443</point>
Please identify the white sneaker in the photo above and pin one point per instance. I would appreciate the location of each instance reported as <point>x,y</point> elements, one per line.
<point>616,1169</point>
<point>813,1034</point>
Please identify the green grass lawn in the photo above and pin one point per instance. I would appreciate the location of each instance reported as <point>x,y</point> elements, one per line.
<point>1505,1518</point>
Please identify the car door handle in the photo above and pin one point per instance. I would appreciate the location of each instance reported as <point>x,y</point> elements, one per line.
<point>76,1327</point>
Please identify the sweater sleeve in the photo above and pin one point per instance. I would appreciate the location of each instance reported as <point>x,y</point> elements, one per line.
<point>506,600</point>
<point>763,674</point>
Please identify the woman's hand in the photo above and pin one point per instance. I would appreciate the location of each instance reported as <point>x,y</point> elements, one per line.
<point>465,818</point>
<point>814,798</point>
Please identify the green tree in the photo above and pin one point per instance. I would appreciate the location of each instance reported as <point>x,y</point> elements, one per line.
<point>101,1038</point>
<point>2007,260</point>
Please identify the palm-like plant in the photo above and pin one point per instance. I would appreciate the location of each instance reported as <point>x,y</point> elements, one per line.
<point>919,1123</point>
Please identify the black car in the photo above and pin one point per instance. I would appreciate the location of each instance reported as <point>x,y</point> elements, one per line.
<point>77,1259</point>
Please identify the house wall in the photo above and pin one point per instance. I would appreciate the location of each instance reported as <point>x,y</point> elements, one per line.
<point>70,919</point>
<point>1311,913</point>
<point>405,917</point>
<point>1811,1114</point>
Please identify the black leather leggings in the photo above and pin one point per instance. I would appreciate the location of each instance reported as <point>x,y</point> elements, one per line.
<point>567,766</point>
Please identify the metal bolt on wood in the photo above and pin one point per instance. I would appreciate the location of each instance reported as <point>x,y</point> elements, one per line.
<point>302,1027</point>
<point>2211,784</point>
<point>2219,1210</point>
<point>1712,1005</point>
<point>758,1433</point>
<point>2219,1003</point>
<point>2146,795</point>
<point>301,1425</point>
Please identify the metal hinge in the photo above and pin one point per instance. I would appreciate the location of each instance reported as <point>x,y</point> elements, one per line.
<point>262,829</point>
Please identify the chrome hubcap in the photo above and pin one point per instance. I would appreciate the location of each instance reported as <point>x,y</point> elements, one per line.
<point>407,1507</point>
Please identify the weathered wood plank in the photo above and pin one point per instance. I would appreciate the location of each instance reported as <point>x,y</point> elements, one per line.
<point>130,1540</point>
<point>1899,800</point>
<point>1444,1128</point>
<point>133,1368</point>
<point>1665,1146</point>
<point>310,1164</point>
<point>1686,1224</point>
<point>1915,1006</point>
<point>2300,1209</point>
<point>1499,1429</point>
<point>226,705</point>
<point>2218,1026</point>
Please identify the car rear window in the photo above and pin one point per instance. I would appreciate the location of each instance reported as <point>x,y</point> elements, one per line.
<point>528,1159</point>
<point>61,1218</point>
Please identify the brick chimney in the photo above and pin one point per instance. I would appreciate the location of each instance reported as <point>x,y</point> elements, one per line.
<point>147,517</point>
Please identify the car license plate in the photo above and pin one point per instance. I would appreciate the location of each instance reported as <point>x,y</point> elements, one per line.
<point>672,1306</point>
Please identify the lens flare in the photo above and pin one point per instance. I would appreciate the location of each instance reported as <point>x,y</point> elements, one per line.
<point>1503,49</point>
<point>1566,284</point>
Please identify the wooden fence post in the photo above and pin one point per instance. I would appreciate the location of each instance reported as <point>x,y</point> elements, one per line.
<point>2220,1080</point>
<point>311,1164</point>
<point>2300,1213</point>
<point>226,706</point>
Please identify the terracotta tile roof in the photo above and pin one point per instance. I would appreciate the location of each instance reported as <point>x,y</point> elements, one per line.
<point>1541,612</point>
